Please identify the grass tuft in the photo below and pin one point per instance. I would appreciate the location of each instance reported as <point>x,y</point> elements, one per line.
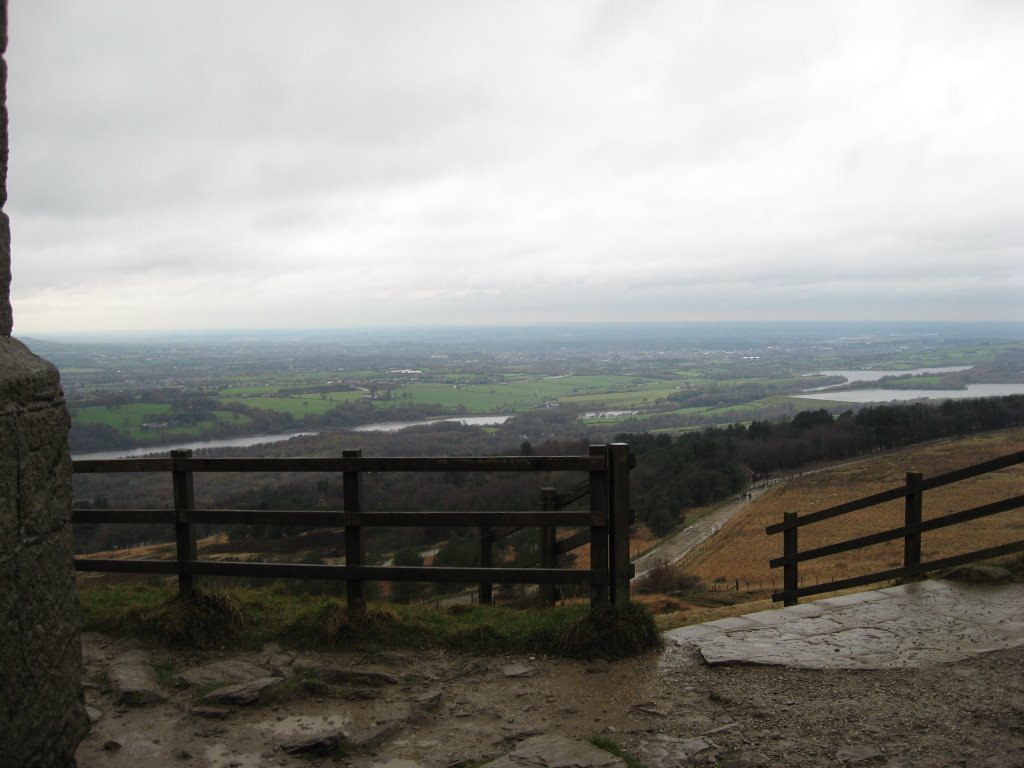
<point>612,746</point>
<point>610,632</point>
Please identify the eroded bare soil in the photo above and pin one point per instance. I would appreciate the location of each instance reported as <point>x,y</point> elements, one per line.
<point>667,709</point>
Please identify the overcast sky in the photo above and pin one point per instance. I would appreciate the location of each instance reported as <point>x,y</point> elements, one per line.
<point>248,164</point>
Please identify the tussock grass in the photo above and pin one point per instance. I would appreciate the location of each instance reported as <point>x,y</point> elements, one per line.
<point>609,632</point>
<point>249,618</point>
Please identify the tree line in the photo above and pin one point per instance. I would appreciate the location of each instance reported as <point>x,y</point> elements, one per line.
<point>673,473</point>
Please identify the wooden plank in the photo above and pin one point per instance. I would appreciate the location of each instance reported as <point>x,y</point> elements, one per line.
<point>569,543</point>
<point>575,494</point>
<point>334,519</point>
<point>898,573</point>
<point>840,509</point>
<point>974,470</point>
<point>393,573</point>
<point>89,564</point>
<point>896,493</point>
<point>398,464</point>
<point>130,516</point>
<point>935,523</point>
<point>88,466</point>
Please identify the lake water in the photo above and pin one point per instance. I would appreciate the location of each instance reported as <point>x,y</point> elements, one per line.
<point>228,442</point>
<point>869,376</point>
<point>489,420</point>
<point>901,395</point>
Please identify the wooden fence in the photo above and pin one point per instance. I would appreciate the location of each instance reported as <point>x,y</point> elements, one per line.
<point>605,525</point>
<point>913,526</point>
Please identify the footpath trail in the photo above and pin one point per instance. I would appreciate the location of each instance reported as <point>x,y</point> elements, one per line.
<point>898,692</point>
<point>676,546</point>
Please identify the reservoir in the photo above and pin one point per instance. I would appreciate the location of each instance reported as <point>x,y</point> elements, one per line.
<point>901,395</point>
<point>489,420</point>
<point>228,442</point>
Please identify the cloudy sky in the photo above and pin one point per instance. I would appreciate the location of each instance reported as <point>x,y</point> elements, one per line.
<point>327,163</point>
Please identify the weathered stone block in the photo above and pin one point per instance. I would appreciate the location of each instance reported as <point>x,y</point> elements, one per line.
<point>41,642</point>
<point>44,471</point>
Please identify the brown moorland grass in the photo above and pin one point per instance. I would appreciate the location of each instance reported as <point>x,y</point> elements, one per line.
<point>741,550</point>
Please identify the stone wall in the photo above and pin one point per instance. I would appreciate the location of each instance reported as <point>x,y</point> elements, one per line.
<point>42,712</point>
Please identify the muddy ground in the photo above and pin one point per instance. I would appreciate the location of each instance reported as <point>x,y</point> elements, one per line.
<point>667,709</point>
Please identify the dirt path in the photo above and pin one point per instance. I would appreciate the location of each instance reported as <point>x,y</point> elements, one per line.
<point>676,546</point>
<point>668,709</point>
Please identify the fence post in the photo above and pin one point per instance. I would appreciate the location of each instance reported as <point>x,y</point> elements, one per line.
<point>548,503</point>
<point>486,589</point>
<point>790,575</point>
<point>912,512</point>
<point>619,521</point>
<point>599,534</point>
<point>184,531</point>
<point>353,500</point>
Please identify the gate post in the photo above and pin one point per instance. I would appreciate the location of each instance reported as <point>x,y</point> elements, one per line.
<point>353,501</point>
<point>184,531</point>
<point>486,589</point>
<point>599,534</point>
<point>619,521</point>
<point>548,558</point>
<point>912,519</point>
<point>790,575</point>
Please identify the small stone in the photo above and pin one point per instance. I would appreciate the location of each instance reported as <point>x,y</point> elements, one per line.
<point>428,701</point>
<point>93,713</point>
<point>979,574</point>
<point>111,745</point>
<point>856,753</point>
<point>243,693</point>
<point>518,670</point>
<point>212,713</point>
<point>325,744</point>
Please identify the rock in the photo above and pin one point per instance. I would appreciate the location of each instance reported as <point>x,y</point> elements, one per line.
<point>133,682</point>
<point>473,667</point>
<point>212,713</point>
<point>518,670</point>
<point>338,676</point>
<point>979,574</point>
<point>671,750</point>
<point>230,671</point>
<point>373,738</point>
<point>281,664</point>
<point>111,746</point>
<point>395,657</point>
<point>326,744</point>
<point>429,701</point>
<point>556,751</point>
<point>857,753</point>
<point>242,693</point>
<point>93,713</point>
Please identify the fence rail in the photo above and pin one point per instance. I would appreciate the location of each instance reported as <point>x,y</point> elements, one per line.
<point>913,526</point>
<point>605,524</point>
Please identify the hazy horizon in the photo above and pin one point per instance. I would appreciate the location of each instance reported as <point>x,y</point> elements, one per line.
<point>365,165</point>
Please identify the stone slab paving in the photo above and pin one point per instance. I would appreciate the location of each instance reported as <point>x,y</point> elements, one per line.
<point>912,625</point>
